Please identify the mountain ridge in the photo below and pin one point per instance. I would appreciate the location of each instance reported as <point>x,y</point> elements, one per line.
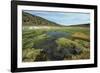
<point>81,25</point>
<point>33,20</point>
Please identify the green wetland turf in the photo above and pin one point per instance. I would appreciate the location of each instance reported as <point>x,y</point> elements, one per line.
<point>55,43</point>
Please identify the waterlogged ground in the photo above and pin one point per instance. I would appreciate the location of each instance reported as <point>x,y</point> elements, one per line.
<point>55,43</point>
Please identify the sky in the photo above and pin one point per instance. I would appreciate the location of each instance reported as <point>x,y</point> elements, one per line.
<point>63,18</point>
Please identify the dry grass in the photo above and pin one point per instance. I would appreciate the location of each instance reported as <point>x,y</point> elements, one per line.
<point>79,35</point>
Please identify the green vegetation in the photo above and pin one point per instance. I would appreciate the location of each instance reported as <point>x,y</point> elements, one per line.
<point>67,43</point>
<point>36,41</point>
<point>30,54</point>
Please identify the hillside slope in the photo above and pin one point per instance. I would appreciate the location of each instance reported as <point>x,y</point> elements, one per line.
<point>33,20</point>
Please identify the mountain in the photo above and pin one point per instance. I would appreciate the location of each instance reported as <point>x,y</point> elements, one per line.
<point>33,20</point>
<point>81,25</point>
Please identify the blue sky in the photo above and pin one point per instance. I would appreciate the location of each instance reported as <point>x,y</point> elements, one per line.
<point>63,18</point>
